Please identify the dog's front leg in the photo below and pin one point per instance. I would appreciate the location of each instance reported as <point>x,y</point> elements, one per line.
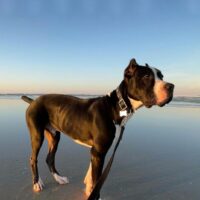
<point>95,170</point>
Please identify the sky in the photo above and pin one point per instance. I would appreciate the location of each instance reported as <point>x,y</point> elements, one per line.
<point>83,46</point>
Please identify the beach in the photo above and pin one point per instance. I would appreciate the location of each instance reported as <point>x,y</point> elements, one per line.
<point>158,158</point>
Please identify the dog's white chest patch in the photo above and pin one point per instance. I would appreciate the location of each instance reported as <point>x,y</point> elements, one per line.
<point>83,144</point>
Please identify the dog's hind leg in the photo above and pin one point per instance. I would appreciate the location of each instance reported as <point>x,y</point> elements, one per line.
<point>53,141</point>
<point>37,138</point>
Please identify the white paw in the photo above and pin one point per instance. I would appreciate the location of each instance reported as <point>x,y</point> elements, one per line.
<point>60,179</point>
<point>37,187</point>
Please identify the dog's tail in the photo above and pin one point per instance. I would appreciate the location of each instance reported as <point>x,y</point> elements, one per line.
<point>27,99</point>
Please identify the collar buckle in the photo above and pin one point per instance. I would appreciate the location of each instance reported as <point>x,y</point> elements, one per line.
<point>122,104</point>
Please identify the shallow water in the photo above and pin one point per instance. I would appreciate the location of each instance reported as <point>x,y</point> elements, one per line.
<point>158,159</point>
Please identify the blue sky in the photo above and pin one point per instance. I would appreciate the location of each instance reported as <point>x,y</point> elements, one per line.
<point>83,46</point>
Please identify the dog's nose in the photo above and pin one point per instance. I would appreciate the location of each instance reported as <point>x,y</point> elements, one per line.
<point>169,87</point>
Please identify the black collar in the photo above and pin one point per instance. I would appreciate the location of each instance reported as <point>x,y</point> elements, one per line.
<point>121,102</point>
<point>124,109</point>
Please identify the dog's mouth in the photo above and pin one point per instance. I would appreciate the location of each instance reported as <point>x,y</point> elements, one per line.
<point>153,102</point>
<point>149,104</point>
<point>167,101</point>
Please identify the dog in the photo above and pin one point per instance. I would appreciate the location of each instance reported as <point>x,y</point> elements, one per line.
<point>91,122</point>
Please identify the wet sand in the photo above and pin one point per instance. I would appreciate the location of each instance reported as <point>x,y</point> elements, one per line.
<point>158,159</point>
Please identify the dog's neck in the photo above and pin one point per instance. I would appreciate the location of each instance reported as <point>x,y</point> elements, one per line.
<point>135,104</point>
<point>132,104</point>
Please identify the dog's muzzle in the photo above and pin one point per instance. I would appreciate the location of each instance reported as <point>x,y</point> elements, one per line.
<point>168,90</point>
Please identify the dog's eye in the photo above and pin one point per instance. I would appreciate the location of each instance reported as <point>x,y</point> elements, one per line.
<point>146,76</point>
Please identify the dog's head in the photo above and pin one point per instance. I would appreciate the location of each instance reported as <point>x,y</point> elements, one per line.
<point>146,84</point>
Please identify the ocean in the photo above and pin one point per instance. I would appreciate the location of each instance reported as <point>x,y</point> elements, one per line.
<point>158,158</point>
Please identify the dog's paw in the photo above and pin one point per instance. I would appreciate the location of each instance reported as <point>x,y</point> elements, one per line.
<point>37,187</point>
<point>60,179</point>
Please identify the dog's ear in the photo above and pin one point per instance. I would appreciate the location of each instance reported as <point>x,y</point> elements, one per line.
<point>129,71</point>
<point>146,65</point>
